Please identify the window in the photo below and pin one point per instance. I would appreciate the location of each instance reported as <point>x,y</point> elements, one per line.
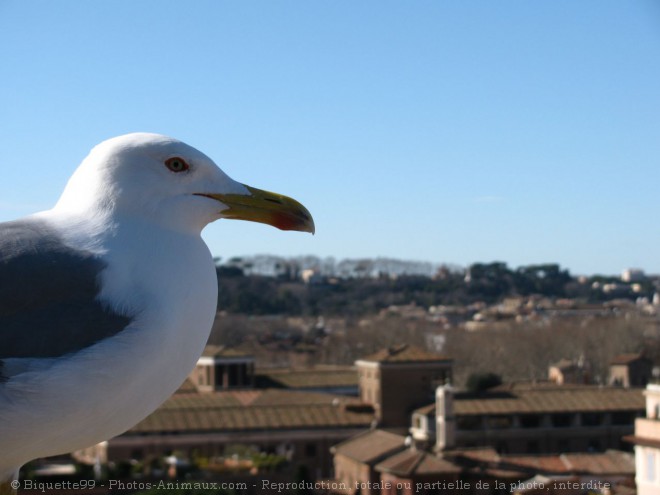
<point>592,419</point>
<point>533,447</point>
<point>530,420</point>
<point>499,422</point>
<point>469,422</point>
<point>219,376</point>
<point>623,418</point>
<point>310,450</point>
<point>243,374</point>
<point>233,375</point>
<point>562,420</point>
<point>650,466</point>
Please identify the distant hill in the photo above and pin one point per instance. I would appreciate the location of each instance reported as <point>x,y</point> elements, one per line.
<point>312,286</point>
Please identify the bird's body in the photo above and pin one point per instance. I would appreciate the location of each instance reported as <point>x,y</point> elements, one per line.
<point>107,300</point>
<point>58,401</point>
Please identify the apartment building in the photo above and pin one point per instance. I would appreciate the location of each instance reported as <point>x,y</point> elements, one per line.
<point>530,418</point>
<point>399,379</point>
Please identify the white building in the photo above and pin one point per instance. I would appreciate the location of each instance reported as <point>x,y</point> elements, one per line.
<point>632,275</point>
<point>647,444</point>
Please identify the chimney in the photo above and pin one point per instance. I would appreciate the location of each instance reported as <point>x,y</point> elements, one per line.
<point>444,417</point>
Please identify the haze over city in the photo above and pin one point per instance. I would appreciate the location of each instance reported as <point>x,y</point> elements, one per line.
<point>525,132</point>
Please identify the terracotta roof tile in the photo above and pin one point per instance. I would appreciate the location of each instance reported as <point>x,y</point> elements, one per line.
<point>426,410</point>
<point>187,387</point>
<point>626,358</point>
<point>552,400</point>
<point>403,353</point>
<point>221,351</point>
<point>252,410</point>
<point>370,446</point>
<point>565,364</point>
<point>481,454</point>
<point>646,442</point>
<point>536,463</point>
<point>412,462</point>
<point>611,461</point>
<point>599,463</point>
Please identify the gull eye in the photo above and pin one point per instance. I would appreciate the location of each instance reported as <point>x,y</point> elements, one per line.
<point>176,164</point>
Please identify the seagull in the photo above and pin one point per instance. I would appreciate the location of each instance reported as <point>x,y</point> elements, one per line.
<point>107,299</point>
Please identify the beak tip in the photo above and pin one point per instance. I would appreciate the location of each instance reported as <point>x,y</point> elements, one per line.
<point>311,227</point>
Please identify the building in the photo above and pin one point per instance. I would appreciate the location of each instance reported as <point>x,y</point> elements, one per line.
<point>568,371</point>
<point>297,415</point>
<point>630,370</point>
<point>630,275</point>
<point>355,459</point>
<point>410,471</point>
<point>299,426</point>
<point>221,368</point>
<point>647,444</point>
<point>405,469</point>
<point>329,379</point>
<point>530,419</point>
<point>399,379</point>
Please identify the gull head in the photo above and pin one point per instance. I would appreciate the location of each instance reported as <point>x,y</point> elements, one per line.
<point>165,181</point>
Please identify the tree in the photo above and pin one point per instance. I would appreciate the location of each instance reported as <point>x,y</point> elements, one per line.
<point>480,382</point>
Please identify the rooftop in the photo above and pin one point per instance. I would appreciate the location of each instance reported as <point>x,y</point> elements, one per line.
<point>626,358</point>
<point>220,351</point>
<point>250,410</point>
<point>370,446</point>
<point>565,364</point>
<point>546,399</point>
<point>413,462</point>
<point>315,377</point>
<point>404,353</point>
<point>609,462</point>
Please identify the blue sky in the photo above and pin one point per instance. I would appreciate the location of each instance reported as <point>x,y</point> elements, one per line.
<point>447,131</point>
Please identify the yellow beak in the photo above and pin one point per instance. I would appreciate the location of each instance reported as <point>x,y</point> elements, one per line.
<point>266,207</point>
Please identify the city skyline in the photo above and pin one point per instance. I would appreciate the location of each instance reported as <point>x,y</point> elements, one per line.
<point>443,132</point>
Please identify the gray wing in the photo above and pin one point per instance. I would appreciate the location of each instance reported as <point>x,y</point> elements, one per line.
<point>48,295</point>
